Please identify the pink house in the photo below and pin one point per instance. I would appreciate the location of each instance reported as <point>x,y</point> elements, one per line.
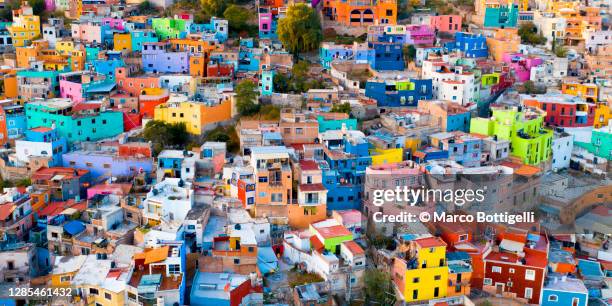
<point>521,65</point>
<point>446,23</point>
<point>114,23</point>
<point>72,91</point>
<point>87,32</point>
<point>115,188</point>
<point>418,34</point>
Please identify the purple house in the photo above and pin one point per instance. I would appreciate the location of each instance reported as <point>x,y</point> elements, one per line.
<point>104,164</point>
<point>157,58</point>
<point>521,65</point>
<point>49,5</point>
<point>420,34</point>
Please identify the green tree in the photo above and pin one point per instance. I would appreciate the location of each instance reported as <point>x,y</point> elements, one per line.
<point>214,7</point>
<point>341,108</point>
<point>227,135</point>
<point>23,182</point>
<point>246,98</point>
<point>300,30</point>
<point>164,135</point>
<point>38,6</point>
<point>237,17</point>
<point>409,53</point>
<point>280,83</point>
<point>378,287</point>
<point>529,34</point>
<point>146,8</point>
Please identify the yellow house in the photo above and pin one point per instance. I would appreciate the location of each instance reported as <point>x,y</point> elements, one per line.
<point>589,92</point>
<point>423,274</point>
<point>386,156</point>
<point>196,115</point>
<point>64,47</point>
<point>603,114</point>
<point>122,41</point>
<point>25,27</point>
<point>65,268</point>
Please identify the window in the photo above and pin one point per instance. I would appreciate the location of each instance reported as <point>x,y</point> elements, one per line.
<point>437,277</point>
<point>174,269</point>
<point>553,298</point>
<point>64,279</point>
<point>496,269</point>
<point>488,281</point>
<point>528,293</point>
<point>276,197</point>
<point>108,296</point>
<point>511,271</point>
<point>415,280</point>
<point>93,291</point>
<point>107,166</point>
<point>530,275</point>
<point>236,261</point>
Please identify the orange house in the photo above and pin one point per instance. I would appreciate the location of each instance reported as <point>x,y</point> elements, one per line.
<point>197,65</point>
<point>10,84</point>
<point>361,12</point>
<point>504,41</point>
<point>134,85</point>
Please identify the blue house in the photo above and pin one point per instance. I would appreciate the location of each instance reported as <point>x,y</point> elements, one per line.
<point>336,124</point>
<point>16,122</point>
<point>220,289</point>
<point>106,67</point>
<point>399,93</point>
<point>472,45</point>
<point>501,16</point>
<point>564,291</point>
<point>140,37</point>
<point>458,121</point>
<point>169,162</point>
<point>248,58</point>
<point>389,55</point>
<point>56,145</point>
<point>267,82</point>
<point>330,52</point>
<point>347,157</point>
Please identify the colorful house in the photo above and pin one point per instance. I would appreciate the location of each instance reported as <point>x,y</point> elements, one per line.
<point>563,110</point>
<point>41,141</point>
<point>561,290</point>
<point>589,92</point>
<point>423,273</point>
<point>472,45</point>
<point>197,116</point>
<point>361,13</point>
<point>498,13</point>
<point>91,124</point>
<point>521,65</point>
<point>600,144</point>
<point>25,27</point>
<point>446,23</point>
<point>140,37</point>
<point>524,128</point>
<point>329,235</point>
<point>222,289</point>
<point>398,93</point>
<point>157,58</point>
<point>166,28</point>
<point>389,55</point>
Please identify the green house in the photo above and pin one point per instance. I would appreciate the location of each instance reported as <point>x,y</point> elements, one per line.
<point>601,143</point>
<point>524,128</point>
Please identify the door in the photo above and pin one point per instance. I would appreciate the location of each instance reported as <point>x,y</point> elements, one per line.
<point>499,288</point>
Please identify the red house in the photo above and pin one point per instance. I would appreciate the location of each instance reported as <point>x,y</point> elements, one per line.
<point>516,268</point>
<point>563,110</point>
